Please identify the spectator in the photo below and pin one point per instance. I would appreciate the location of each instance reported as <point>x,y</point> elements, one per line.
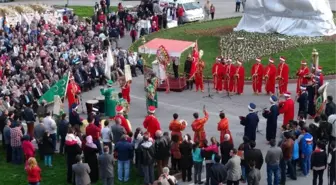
<point>72,149</point>
<point>33,172</point>
<point>332,121</point>
<point>62,130</point>
<point>295,155</point>
<point>29,117</point>
<point>166,179</point>
<point>117,130</point>
<point>140,64</point>
<point>90,151</point>
<point>27,147</point>
<point>207,154</point>
<point>7,139</point>
<point>242,149</point>
<point>3,123</point>
<point>324,129</point>
<point>15,137</point>
<point>175,153</point>
<point>331,164</point>
<point>306,147</point>
<point>330,107</point>
<point>94,131</point>
<point>272,159</point>
<point>253,155</point>
<point>180,13</point>
<point>147,159</point>
<point>319,160</point>
<point>50,126</point>
<point>217,172</point>
<point>137,140</point>
<point>161,151</point>
<point>124,152</point>
<point>81,171</point>
<point>225,147</point>
<point>254,176</point>
<point>106,166</point>
<point>198,163</point>
<point>233,169</point>
<point>186,158</point>
<point>286,162</point>
<point>39,131</point>
<point>106,136</point>
<point>47,149</point>
<point>212,11</point>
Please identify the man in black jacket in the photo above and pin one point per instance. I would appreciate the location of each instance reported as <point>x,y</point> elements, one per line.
<point>254,155</point>
<point>62,130</point>
<point>162,151</point>
<point>217,172</point>
<point>3,119</point>
<point>187,68</point>
<point>29,117</point>
<point>330,106</point>
<point>147,159</point>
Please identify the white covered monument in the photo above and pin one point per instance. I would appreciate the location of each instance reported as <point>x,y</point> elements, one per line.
<point>289,17</point>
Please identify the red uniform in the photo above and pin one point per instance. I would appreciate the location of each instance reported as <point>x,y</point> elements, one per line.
<point>321,77</point>
<point>125,91</point>
<point>282,77</point>
<point>124,122</point>
<point>195,56</point>
<point>270,72</point>
<point>176,128</point>
<point>215,74</point>
<point>223,128</point>
<point>302,75</point>
<point>287,108</point>
<point>199,75</point>
<point>73,90</point>
<point>225,80</point>
<point>239,78</point>
<point>257,76</point>
<point>230,72</point>
<point>198,128</point>
<point>152,125</point>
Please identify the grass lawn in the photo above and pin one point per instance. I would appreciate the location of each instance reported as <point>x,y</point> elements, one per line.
<point>87,11</point>
<point>209,41</point>
<point>56,175</point>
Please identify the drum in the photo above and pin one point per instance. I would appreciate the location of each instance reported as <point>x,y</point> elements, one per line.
<point>101,104</point>
<point>90,104</point>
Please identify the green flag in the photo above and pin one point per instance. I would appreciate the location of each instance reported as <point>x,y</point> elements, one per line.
<point>59,88</point>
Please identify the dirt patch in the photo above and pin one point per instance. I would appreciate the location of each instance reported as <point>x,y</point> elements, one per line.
<point>219,31</point>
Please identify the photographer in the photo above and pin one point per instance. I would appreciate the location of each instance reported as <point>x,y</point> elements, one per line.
<point>166,179</point>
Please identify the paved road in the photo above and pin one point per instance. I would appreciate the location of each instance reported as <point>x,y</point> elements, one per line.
<point>188,102</point>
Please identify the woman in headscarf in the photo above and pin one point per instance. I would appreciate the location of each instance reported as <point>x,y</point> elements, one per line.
<point>72,149</point>
<point>90,156</point>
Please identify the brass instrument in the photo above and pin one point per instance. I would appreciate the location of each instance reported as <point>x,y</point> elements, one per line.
<point>279,77</point>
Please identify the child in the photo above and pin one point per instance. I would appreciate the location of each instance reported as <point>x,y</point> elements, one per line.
<point>27,147</point>
<point>198,163</point>
<point>48,149</point>
<point>33,172</point>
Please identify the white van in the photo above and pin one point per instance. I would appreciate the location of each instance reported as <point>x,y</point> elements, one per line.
<point>193,11</point>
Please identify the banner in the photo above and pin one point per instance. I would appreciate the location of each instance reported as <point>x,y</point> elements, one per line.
<point>321,100</point>
<point>59,88</point>
<point>109,63</point>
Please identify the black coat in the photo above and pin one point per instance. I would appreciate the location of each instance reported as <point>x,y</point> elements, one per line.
<point>330,109</point>
<point>251,123</point>
<point>254,155</point>
<point>28,115</point>
<point>74,118</point>
<point>71,152</point>
<point>24,100</point>
<point>187,66</point>
<point>186,155</point>
<point>47,146</point>
<point>217,174</point>
<point>90,157</point>
<point>162,149</point>
<point>303,102</point>
<point>225,148</point>
<point>272,121</point>
<point>311,104</point>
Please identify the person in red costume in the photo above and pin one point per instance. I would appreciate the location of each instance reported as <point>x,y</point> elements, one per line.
<point>287,108</point>
<point>257,76</point>
<point>223,127</point>
<point>124,122</point>
<point>215,73</point>
<point>195,58</point>
<point>269,76</point>
<point>176,127</point>
<point>151,123</point>
<point>72,92</point>
<point>198,127</point>
<point>239,78</point>
<point>125,91</point>
<point>199,73</point>
<point>225,80</point>
<point>282,75</point>
<point>303,75</point>
<point>230,72</point>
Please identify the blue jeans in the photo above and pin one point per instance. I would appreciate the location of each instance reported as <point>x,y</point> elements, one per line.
<point>47,160</point>
<point>243,172</point>
<point>305,164</point>
<point>273,169</point>
<point>123,167</point>
<point>17,155</point>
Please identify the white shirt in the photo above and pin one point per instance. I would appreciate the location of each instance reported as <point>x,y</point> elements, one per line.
<point>50,125</point>
<point>131,60</point>
<point>106,134</point>
<point>143,24</point>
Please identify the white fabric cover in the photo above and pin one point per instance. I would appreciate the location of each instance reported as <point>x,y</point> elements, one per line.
<point>298,17</point>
